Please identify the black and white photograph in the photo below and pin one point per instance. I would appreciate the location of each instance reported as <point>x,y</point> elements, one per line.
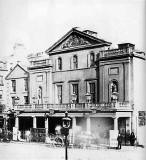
<point>72,79</point>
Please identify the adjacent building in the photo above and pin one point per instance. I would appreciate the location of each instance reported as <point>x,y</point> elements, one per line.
<point>3,72</point>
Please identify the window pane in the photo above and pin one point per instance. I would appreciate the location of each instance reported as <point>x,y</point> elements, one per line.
<point>14,85</point>
<point>92,92</point>
<point>75,91</point>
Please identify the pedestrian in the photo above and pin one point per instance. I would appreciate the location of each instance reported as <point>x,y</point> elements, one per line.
<point>119,139</point>
<point>132,139</point>
<point>28,136</point>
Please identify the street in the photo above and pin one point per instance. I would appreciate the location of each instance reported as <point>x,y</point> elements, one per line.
<point>35,151</point>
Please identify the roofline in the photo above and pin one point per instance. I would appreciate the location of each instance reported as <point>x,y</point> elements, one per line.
<point>78,48</point>
<point>14,69</point>
<point>80,32</point>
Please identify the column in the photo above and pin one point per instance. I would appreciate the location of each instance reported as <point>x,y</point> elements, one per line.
<point>46,125</point>
<point>17,122</point>
<point>34,122</point>
<point>88,125</point>
<point>115,123</point>
<point>130,121</point>
<point>73,128</point>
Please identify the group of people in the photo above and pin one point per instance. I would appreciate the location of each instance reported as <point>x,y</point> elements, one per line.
<point>132,140</point>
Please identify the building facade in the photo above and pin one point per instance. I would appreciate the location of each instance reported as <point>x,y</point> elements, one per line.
<point>82,75</point>
<point>3,72</point>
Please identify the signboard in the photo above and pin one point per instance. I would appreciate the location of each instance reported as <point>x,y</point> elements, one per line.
<point>113,138</point>
<point>15,132</point>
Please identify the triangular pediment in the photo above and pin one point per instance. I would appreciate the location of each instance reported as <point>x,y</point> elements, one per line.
<point>75,39</point>
<point>17,72</point>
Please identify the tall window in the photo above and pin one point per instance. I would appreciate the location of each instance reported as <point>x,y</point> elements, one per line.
<point>92,59</point>
<point>1,80</point>
<point>59,93</point>
<point>26,100</point>
<point>1,94</point>
<point>60,63</point>
<point>92,91</point>
<point>14,85</point>
<point>26,84</point>
<point>75,91</point>
<point>13,101</point>
<point>75,62</point>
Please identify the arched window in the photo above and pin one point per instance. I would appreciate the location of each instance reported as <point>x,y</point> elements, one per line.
<point>60,63</point>
<point>114,89</point>
<point>75,62</point>
<point>92,59</point>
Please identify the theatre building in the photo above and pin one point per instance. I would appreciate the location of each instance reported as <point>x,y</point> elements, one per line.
<point>82,75</point>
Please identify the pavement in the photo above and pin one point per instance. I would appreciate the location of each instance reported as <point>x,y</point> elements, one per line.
<point>41,151</point>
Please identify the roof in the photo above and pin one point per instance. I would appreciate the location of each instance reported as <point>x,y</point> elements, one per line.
<point>17,65</point>
<point>94,41</point>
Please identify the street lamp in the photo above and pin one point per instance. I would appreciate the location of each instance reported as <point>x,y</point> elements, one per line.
<point>66,125</point>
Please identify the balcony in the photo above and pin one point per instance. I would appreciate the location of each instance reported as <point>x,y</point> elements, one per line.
<point>110,106</point>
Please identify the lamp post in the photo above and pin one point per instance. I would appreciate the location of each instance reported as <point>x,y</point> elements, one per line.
<point>66,125</point>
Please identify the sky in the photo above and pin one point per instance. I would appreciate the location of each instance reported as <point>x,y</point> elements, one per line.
<point>30,26</point>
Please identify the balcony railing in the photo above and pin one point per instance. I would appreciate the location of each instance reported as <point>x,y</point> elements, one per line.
<point>112,52</point>
<point>79,106</point>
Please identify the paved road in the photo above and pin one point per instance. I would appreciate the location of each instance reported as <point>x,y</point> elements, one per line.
<point>31,151</point>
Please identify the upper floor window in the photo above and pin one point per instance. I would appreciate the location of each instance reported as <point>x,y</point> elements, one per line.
<point>39,78</point>
<point>1,80</point>
<point>1,94</point>
<point>14,85</point>
<point>75,62</point>
<point>75,93</point>
<point>92,59</point>
<point>92,91</point>
<point>26,100</point>
<point>26,84</point>
<point>60,63</point>
<point>59,93</point>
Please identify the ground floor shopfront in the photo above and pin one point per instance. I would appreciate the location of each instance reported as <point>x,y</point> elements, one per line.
<point>98,124</point>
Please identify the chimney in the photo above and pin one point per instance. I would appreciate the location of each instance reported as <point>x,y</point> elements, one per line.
<point>91,33</point>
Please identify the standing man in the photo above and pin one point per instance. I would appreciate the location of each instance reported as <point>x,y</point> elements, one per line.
<point>119,139</point>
